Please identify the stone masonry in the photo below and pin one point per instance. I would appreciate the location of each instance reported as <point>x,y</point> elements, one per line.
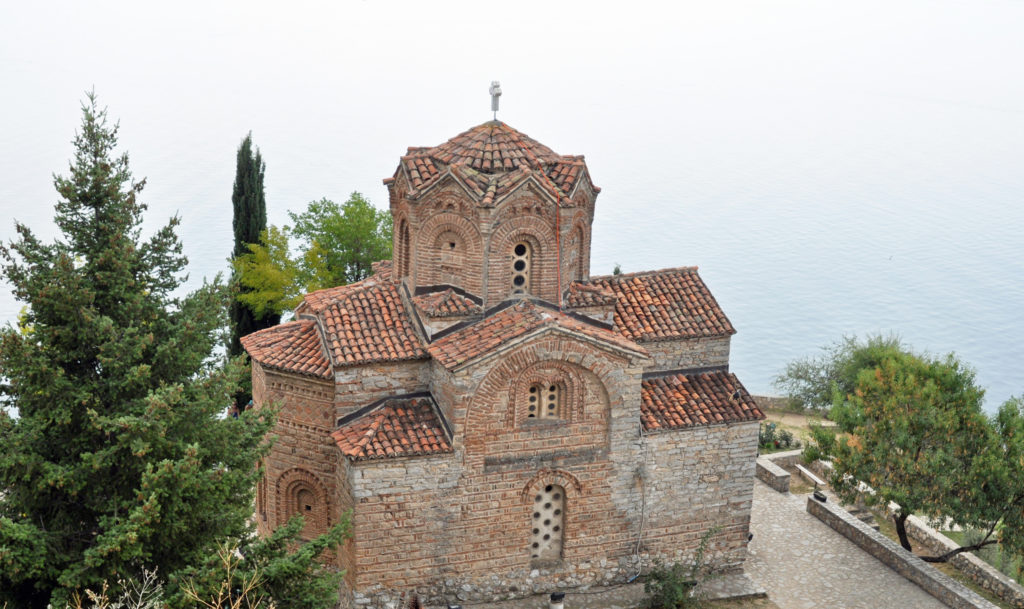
<point>493,420</point>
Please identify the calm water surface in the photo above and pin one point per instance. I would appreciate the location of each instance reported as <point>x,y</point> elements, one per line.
<point>830,172</point>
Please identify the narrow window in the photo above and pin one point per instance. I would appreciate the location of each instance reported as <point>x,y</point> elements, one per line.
<point>547,521</point>
<point>544,401</point>
<point>521,268</point>
<point>403,248</point>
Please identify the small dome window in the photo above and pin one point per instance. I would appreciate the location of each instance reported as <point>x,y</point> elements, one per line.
<point>521,262</point>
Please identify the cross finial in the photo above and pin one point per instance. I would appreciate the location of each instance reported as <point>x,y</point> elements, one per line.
<point>495,94</point>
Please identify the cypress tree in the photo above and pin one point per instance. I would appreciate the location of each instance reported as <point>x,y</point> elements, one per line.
<point>114,450</point>
<point>249,220</point>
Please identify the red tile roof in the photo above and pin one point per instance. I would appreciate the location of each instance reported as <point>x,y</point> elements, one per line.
<point>293,346</point>
<point>669,304</point>
<point>492,159</point>
<point>582,294</point>
<point>397,428</point>
<point>468,343</point>
<point>382,269</point>
<point>688,400</point>
<point>447,303</point>
<point>365,322</point>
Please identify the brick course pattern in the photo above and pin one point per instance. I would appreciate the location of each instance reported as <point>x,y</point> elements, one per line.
<point>443,410</point>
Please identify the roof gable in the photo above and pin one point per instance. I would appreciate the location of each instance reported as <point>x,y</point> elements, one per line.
<point>365,322</point>
<point>490,161</point>
<point>516,323</point>
<point>293,347</point>
<point>670,304</point>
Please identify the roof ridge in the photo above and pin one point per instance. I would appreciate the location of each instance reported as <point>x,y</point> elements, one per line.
<point>672,269</point>
<point>371,430</point>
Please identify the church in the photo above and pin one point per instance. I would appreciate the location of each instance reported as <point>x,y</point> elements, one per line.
<point>495,420</point>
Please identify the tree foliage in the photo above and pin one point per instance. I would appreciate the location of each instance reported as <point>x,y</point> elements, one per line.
<point>912,428</point>
<point>811,383</point>
<point>119,455</point>
<point>292,575</point>
<point>249,220</point>
<point>337,244</point>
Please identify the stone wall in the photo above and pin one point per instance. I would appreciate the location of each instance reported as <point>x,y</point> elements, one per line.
<point>934,582</point>
<point>459,526</point>
<point>696,479</point>
<point>688,353</point>
<point>358,386</point>
<point>980,572</point>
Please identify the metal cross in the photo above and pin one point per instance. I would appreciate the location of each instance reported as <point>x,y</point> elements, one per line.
<point>495,94</point>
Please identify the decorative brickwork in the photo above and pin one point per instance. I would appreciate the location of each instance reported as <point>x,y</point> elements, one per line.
<point>299,492</point>
<point>496,421</point>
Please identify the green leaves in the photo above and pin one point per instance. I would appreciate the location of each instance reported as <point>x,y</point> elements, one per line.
<point>120,456</point>
<point>337,246</point>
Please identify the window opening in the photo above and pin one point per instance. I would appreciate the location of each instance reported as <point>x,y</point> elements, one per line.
<point>403,243</point>
<point>548,520</point>
<point>544,401</point>
<point>521,268</point>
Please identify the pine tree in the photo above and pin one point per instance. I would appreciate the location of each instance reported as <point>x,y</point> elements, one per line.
<point>250,219</point>
<point>114,453</point>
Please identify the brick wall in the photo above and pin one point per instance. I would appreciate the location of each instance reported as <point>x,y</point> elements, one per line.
<point>459,525</point>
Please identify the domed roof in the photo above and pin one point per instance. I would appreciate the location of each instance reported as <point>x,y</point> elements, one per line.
<point>492,147</point>
<point>492,159</point>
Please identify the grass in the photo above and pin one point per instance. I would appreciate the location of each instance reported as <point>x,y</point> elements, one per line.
<point>887,528</point>
<point>993,555</point>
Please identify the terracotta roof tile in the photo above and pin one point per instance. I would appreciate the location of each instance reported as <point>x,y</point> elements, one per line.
<point>688,400</point>
<point>382,269</point>
<point>365,322</point>
<point>396,428</point>
<point>492,159</point>
<point>482,337</point>
<point>583,294</point>
<point>447,303</point>
<point>293,346</point>
<point>669,304</point>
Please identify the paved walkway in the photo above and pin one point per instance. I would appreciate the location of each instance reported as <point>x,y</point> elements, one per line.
<point>803,564</point>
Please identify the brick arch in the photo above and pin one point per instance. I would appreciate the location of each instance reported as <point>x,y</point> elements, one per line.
<point>492,403</point>
<point>540,234</point>
<point>545,477</point>
<point>290,487</point>
<point>461,266</point>
<point>566,375</point>
<point>402,245</point>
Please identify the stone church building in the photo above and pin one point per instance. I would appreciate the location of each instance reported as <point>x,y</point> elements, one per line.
<point>496,420</point>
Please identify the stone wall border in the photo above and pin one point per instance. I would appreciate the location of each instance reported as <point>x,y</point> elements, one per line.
<point>980,572</point>
<point>931,580</point>
<point>772,475</point>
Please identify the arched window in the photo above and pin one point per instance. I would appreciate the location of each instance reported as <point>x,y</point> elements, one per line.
<point>577,238</point>
<point>403,248</point>
<point>544,401</point>
<point>547,523</point>
<point>521,263</point>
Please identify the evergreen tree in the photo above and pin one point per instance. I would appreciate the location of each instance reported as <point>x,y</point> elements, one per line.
<point>114,453</point>
<point>249,220</point>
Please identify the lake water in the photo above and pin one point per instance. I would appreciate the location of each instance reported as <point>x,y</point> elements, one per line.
<point>830,171</point>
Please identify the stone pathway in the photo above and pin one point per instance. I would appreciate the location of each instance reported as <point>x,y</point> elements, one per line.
<point>803,564</point>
